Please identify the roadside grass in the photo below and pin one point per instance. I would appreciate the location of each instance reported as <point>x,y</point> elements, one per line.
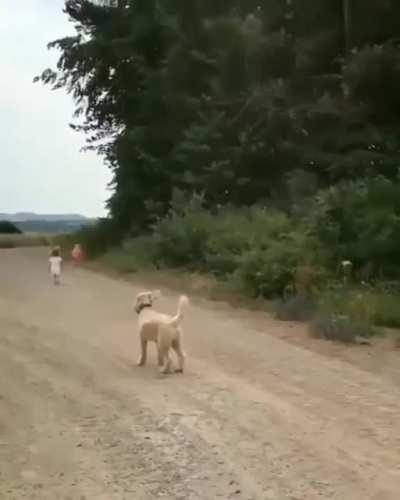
<point>336,313</point>
<point>123,263</point>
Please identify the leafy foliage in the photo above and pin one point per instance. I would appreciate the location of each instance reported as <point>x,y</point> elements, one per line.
<point>340,328</point>
<point>360,221</point>
<point>297,308</point>
<point>229,98</point>
<point>255,248</point>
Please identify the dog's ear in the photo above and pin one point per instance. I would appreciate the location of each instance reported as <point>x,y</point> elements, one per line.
<point>137,299</point>
<point>135,302</point>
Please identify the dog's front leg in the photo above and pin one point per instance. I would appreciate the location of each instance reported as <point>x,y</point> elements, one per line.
<point>143,353</point>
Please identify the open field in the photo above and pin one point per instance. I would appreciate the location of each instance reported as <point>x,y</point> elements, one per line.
<point>24,240</point>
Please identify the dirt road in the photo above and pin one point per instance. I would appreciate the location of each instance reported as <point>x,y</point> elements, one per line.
<point>253,418</point>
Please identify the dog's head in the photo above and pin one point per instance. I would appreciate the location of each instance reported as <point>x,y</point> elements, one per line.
<point>145,299</point>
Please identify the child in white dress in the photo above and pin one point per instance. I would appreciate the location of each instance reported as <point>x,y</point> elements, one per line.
<point>55,262</point>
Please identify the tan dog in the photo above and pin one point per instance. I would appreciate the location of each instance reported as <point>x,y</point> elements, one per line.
<point>163,329</point>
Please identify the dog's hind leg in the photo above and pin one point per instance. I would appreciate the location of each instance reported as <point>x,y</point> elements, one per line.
<point>159,357</point>
<point>163,353</point>
<point>143,353</point>
<point>176,346</point>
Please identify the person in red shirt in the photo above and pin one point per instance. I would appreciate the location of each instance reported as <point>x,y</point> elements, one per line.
<point>77,254</point>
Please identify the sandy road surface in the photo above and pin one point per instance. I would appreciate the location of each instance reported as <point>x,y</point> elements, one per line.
<point>253,418</point>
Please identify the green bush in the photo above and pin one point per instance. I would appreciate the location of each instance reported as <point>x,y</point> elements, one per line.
<point>279,246</point>
<point>365,308</point>
<point>260,248</point>
<point>230,238</point>
<point>267,272</point>
<point>360,221</point>
<point>180,240</point>
<point>133,255</point>
<point>387,310</point>
<point>340,329</point>
<point>363,305</point>
<point>256,249</point>
<point>357,304</point>
<point>298,308</point>
<point>97,239</point>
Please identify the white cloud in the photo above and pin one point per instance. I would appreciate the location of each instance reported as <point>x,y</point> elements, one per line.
<point>41,166</point>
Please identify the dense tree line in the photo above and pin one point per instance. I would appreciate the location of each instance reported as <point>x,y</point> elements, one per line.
<point>243,101</point>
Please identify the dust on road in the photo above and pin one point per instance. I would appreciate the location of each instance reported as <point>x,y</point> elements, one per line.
<point>254,417</point>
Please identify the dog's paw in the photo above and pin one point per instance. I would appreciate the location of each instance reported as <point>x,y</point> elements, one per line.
<point>179,370</point>
<point>165,371</point>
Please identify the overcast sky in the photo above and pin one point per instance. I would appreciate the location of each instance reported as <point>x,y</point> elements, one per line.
<point>41,166</point>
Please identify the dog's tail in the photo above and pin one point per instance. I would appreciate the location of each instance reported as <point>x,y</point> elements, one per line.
<point>182,303</point>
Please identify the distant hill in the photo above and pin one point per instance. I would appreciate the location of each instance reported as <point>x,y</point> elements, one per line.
<point>29,222</point>
<point>30,216</point>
